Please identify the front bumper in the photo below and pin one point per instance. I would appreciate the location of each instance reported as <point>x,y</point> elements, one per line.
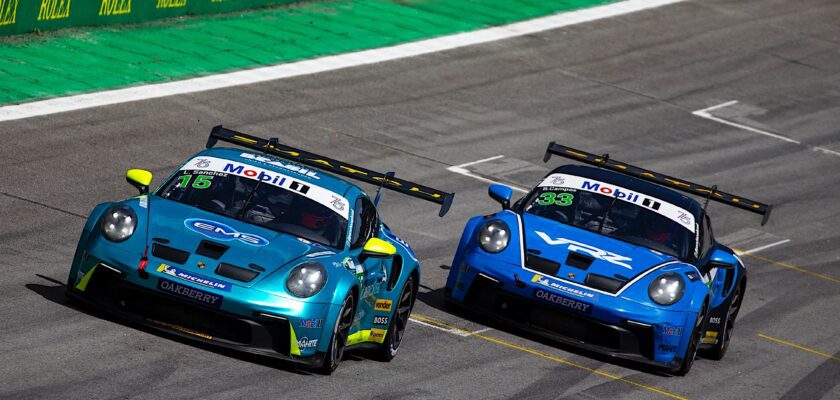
<point>237,325</point>
<point>601,323</point>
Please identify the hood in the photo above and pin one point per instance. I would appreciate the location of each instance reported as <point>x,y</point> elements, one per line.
<point>183,227</point>
<point>586,251</point>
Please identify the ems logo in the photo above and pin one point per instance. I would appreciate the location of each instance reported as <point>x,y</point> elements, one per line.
<point>383,305</point>
<point>220,231</point>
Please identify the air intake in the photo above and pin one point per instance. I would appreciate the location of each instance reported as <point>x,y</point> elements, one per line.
<point>234,272</point>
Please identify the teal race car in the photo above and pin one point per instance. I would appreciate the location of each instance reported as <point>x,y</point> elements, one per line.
<point>263,250</point>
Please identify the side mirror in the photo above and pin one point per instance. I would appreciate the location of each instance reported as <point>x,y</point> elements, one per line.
<point>502,194</point>
<point>722,260</point>
<point>139,178</point>
<point>378,248</point>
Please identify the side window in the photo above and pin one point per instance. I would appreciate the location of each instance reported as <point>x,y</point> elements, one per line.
<point>707,239</point>
<point>365,223</point>
<point>357,223</point>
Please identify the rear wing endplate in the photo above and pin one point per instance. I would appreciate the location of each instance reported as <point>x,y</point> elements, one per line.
<point>331,165</point>
<point>660,179</point>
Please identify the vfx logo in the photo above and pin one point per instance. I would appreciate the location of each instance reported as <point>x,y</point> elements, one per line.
<point>220,231</point>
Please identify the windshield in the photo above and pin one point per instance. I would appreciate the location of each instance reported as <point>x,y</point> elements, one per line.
<point>238,194</point>
<point>615,212</point>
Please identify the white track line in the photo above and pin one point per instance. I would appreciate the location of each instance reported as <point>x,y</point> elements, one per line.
<point>765,247</point>
<point>440,328</point>
<point>704,113</point>
<point>463,171</point>
<point>482,331</point>
<point>323,64</point>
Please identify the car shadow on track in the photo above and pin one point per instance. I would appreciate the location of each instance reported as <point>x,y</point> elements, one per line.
<point>55,294</point>
<point>435,299</point>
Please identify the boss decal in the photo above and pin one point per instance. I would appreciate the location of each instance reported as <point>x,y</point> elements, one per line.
<point>220,231</point>
<point>381,320</point>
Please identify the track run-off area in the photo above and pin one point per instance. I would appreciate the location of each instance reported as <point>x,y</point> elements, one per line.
<point>742,94</point>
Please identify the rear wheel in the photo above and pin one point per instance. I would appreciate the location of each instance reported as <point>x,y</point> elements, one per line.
<point>399,322</point>
<point>694,342</point>
<point>338,341</point>
<point>719,350</point>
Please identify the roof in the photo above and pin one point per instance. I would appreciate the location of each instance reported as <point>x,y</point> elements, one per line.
<point>635,184</point>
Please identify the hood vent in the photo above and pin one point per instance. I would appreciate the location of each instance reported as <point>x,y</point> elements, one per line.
<point>234,272</point>
<point>211,249</point>
<point>170,253</point>
<point>542,265</point>
<point>604,283</point>
<point>578,260</point>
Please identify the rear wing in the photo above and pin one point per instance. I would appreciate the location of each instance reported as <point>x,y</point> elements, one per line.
<point>333,166</point>
<point>660,179</point>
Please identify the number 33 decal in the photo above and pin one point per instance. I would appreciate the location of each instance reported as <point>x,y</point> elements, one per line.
<point>561,199</point>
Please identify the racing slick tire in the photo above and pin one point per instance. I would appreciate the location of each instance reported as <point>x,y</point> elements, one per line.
<point>719,349</point>
<point>399,322</point>
<point>694,343</point>
<point>338,340</point>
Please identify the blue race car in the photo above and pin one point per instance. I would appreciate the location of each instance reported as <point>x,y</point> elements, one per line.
<point>608,259</point>
<point>256,251</point>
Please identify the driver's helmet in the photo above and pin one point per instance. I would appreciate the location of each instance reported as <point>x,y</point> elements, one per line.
<point>658,232</point>
<point>316,217</point>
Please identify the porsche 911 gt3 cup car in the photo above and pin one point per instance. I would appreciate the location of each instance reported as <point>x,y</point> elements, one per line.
<point>608,259</point>
<point>261,251</point>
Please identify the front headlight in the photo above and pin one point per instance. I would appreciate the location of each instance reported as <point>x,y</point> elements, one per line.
<point>494,236</point>
<point>667,289</point>
<point>118,223</point>
<point>306,280</point>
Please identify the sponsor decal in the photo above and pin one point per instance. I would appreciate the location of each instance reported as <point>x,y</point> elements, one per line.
<point>372,290</point>
<point>377,335</point>
<point>8,11</point>
<point>312,323</point>
<point>115,7</point>
<point>190,277</point>
<point>54,9</point>
<point>381,320</point>
<point>296,168</point>
<point>187,292</point>
<point>714,320</point>
<point>563,301</point>
<point>667,210</point>
<point>170,3</point>
<point>382,305</point>
<point>671,330</point>
<point>591,250</point>
<point>323,196</point>
<point>220,231</point>
<point>667,348</point>
<point>307,343</point>
<point>542,280</point>
<point>356,269</point>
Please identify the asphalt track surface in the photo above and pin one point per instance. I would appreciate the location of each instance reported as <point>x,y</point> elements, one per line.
<point>627,86</point>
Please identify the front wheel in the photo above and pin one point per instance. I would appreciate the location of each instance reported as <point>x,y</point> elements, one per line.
<point>338,341</point>
<point>694,342</point>
<point>396,330</point>
<point>719,350</point>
